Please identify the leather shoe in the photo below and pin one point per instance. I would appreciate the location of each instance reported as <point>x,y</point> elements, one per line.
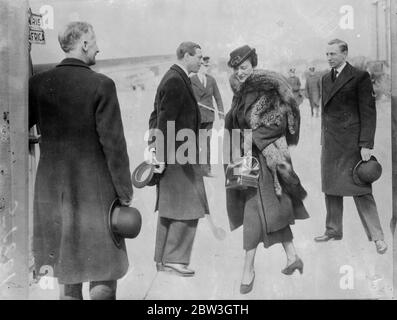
<point>326,237</point>
<point>247,288</point>
<point>179,269</point>
<point>381,246</point>
<point>296,265</point>
<point>159,266</point>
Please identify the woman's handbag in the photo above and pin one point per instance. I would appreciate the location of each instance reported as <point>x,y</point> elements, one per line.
<point>243,174</point>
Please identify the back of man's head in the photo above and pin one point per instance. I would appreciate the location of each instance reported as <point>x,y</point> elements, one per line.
<point>72,33</point>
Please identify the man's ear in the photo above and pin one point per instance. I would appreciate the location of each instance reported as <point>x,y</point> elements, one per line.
<point>84,47</point>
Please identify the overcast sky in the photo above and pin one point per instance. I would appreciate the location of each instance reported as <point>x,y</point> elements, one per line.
<point>281,30</point>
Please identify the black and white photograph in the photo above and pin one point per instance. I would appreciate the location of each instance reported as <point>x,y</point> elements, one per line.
<point>208,150</point>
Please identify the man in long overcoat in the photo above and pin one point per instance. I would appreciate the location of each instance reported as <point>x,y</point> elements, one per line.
<point>181,200</point>
<point>206,90</point>
<point>313,93</point>
<point>348,131</point>
<point>83,168</point>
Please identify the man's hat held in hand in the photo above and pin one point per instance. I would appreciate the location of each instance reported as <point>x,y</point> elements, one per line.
<point>367,172</point>
<point>123,222</point>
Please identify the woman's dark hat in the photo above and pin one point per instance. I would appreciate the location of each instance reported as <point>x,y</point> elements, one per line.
<point>123,222</point>
<point>368,172</point>
<point>144,175</point>
<point>239,55</point>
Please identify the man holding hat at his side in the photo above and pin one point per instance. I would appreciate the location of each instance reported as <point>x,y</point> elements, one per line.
<point>83,169</point>
<point>181,196</point>
<point>348,130</point>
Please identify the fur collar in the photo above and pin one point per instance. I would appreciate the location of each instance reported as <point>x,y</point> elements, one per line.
<point>276,100</point>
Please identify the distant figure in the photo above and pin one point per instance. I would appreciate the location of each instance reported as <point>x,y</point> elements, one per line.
<point>205,89</point>
<point>295,84</point>
<point>312,90</point>
<point>348,131</point>
<point>83,168</point>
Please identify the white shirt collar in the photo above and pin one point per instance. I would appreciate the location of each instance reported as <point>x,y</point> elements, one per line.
<point>182,67</point>
<point>341,68</point>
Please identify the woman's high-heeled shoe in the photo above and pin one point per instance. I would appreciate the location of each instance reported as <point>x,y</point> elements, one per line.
<point>247,288</point>
<point>296,265</point>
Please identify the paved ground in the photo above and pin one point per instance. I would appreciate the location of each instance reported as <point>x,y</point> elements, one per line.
<point>218,264</point>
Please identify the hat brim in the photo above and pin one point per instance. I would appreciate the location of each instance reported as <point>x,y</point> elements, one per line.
<point>356,178</point>
<point>116,238</point>
<point>138,173</point>
<point>244,58</point>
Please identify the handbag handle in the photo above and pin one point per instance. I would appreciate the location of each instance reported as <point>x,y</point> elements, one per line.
<point>247,163</point>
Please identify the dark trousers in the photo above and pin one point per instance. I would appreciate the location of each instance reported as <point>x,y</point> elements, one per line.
<point>99,290</point>
<point>174,240</point>
<point>208,126</point>
<point>367,210</point>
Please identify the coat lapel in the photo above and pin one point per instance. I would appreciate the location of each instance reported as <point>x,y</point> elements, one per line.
<point>185,79</point>
<point>188,84</point>
<point>198,85</point>
<point>332,88</point>
<point>196,82</point>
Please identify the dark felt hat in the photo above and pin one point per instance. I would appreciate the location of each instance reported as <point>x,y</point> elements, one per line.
<point>123,222</point>
<point>367,172</point>
<point>144,175</point>
<point>239,55</point>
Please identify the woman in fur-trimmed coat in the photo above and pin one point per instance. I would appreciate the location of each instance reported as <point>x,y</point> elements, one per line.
<point>263,102</point>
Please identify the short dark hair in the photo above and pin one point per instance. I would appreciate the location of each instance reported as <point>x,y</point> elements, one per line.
<point>186,47</point>
<point>342,44</point>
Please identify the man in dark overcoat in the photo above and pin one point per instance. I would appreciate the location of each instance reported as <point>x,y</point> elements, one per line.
<point>313,91</point>
<point>83,168</point>
<point>348,132</point>
<point>206,90</point>
<point>181,197</point>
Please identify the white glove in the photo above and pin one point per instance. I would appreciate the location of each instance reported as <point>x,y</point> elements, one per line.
<point>149,155</point>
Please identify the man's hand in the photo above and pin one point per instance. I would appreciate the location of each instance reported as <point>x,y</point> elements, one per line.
<point>160,167</point>
<point>366,154</point>
<point>149,155</point>
<point>125,203</point>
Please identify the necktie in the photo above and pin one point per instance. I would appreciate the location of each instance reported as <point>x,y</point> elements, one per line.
<point>334,74</point>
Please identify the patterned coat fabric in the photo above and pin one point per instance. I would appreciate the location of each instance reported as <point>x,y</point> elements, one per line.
<point>83,167</point>
<point>348,124</point>
<point>276,212</point>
